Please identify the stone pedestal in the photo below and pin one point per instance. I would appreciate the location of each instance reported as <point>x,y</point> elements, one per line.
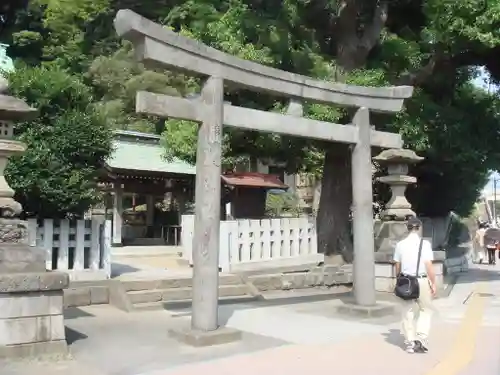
<point>388,234</point>
<point>31,314</point>
<point>31,298</point>
<point>197,338</point>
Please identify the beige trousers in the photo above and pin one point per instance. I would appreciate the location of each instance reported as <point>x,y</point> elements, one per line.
<point>417,314</point>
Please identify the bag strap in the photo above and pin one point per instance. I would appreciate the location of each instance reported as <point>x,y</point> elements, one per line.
<point>419,255</point>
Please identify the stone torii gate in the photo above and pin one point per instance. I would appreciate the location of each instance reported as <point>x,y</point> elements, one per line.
<point>157,46</point>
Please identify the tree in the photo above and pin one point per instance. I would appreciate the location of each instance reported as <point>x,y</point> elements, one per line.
<point>116,79</point>
<point>373,43</point>
<point>8,10</point>
<point>435,45</point>
<point>67,144</point>
<point>67,34</point>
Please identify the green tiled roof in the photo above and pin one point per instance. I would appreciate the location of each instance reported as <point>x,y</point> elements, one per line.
<point>142,152</point>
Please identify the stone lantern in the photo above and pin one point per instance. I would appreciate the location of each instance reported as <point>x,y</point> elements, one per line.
<point>392,226</point>
<point>397,161</point>
<point>31,298</point>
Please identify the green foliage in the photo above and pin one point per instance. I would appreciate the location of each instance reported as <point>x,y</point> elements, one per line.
<point>458,137</point>
<point>436,45</point>
<point>453,125</point>
<point>116,79</point>
<point>67,144</point>
<point>283,204</point>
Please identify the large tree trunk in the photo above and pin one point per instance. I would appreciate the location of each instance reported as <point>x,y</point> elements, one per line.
<point>334,214</point>
<point>334,234</point>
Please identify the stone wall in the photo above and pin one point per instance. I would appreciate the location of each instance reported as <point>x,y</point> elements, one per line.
<point>97,292</point>
<point>325,275</point>
<point>86,293</point>
<point>31,323</point>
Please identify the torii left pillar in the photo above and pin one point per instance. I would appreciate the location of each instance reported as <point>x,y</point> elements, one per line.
<point>205,328</point>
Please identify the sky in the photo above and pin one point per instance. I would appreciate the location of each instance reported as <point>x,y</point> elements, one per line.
<point>482,81</point>
<point>489,188</point>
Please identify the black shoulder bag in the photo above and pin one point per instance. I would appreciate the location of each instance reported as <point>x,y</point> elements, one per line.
<point>407,286</point>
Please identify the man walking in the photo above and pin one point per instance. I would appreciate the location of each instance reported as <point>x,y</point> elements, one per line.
<point>416,313</point>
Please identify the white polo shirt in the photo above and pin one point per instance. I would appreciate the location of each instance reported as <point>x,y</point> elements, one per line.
<point>406,253</point>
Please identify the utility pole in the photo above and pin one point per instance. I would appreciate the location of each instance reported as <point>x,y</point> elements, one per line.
<point>494,202</point>
<point>494,177</point>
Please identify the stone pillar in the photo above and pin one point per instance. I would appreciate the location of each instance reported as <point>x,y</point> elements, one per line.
<point>117,214</point>
<point>205,328</point>
<point>362,210</point>
<point>207,210</point>
<point>31,298</point>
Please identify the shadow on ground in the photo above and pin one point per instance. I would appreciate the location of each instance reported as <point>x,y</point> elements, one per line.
<point>75,313</point>
<point>74,336</point>
<point>118,269</point>
<point>285,298</point>
<point>394,337</point>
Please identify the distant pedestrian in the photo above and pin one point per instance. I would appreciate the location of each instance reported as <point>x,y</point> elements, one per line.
<point>492,249</point>
<point>417,313</point>
<point>491,242</point>
<point>479,243</point>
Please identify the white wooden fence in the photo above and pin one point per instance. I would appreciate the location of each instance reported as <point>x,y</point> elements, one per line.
<point>80,247</point>
<point>257,244</point>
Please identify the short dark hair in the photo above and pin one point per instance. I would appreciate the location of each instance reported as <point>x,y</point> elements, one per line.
<point>413,223</point>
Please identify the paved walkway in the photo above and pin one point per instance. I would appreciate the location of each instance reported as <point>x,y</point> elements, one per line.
<point>148,262</point>
<point>465,339</point>
<point>289,339</point>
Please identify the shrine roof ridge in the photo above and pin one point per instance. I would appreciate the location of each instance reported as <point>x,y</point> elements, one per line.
<point>136,152</point>
<point>158,46</point>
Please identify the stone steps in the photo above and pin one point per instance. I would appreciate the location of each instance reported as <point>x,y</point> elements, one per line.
<point>141,295</point>
<point>174,282</point>
<point>182,305</point>
<point>181,294</point>
<point>147,291</point>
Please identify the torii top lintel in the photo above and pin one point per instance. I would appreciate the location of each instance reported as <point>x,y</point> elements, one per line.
<point>158,46</point>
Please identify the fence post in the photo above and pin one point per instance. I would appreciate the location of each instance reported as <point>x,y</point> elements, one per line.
<point>224,246</point>
<point>45,240</point>
<point>63,249</point>
<point>105,245</point>
<point>233,247</point>
<point>94,244</point>
<point>187,228</point>
<point>79,251</point>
